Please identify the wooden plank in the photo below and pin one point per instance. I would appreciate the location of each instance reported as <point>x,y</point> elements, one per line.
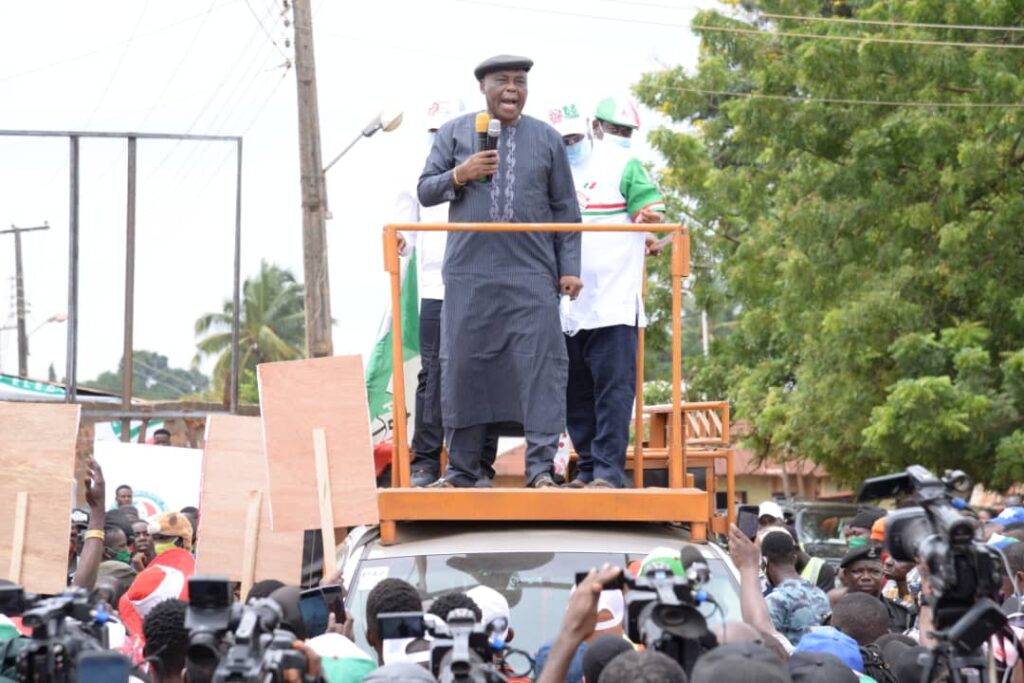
<point>18,543</point>
<point>37,456</point>
<point>233,469</point>
<point>623,505</point>
<point>323,494</point>
<point>251,540</point>
<point>297,397</point>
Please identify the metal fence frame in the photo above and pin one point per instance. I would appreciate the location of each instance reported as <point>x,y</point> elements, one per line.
<point>71,367</point>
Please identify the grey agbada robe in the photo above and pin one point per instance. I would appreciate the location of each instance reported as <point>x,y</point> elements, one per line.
<point>503,355</point>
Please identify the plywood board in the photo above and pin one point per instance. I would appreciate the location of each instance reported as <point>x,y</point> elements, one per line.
<point>297,397</point>
<point>233,467</point>
<point>37,456</point>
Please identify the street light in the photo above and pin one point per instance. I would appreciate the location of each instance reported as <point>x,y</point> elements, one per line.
<point>387,121</point>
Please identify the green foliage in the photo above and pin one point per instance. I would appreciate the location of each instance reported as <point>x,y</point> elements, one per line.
<point>868,260</point>
<point>272,327</point>
<point>152,378</point>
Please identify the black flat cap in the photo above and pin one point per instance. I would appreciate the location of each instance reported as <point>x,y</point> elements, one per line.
<point>502,63</point>
<point>868,552</point>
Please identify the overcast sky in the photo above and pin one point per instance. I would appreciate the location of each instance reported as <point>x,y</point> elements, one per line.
<point>217,67</point>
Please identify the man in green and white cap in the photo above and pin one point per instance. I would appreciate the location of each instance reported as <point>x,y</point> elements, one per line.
<point>603,322</point>
<point>615,120</point>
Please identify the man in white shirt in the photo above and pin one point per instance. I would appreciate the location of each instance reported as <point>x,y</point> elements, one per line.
<point>602,323</point>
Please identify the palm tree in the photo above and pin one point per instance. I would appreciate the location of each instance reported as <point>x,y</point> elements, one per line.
<point>272,326</point>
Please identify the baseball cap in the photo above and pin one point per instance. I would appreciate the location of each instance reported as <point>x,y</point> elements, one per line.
<point>493,605</point>
<point>1010,515</point>
<point>173,523</point>
<point>618,110</point>
<point>831,641</point>
<point>770,507</point>
<point>567,120</point>
<point>878,530</point>
<point>664,559</point>
<point>867,552</point>
<point>441,112</point>
<point>612,602</point>
<point>819,667</point>
<point>740,663</point>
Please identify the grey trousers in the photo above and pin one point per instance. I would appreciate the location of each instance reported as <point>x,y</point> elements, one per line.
<point>467,456</point>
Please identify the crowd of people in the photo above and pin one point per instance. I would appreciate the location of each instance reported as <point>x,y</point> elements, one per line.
<point>802,619</point>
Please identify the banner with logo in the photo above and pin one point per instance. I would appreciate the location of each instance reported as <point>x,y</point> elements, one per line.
<point>162,477</point>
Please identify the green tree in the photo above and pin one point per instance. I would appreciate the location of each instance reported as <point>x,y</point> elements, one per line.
<point>871,244</point>
<point>153,378</point>
<point>272,327</point>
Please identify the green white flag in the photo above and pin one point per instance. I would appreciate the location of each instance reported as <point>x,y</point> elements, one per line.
<point>379,368</point>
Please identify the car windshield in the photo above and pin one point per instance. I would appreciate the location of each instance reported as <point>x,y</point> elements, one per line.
<point>536,585</point>
<point>823,526</point>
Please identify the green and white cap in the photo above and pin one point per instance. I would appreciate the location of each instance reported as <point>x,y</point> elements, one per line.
<point>567,120</point>
<point>663,559</point>
<point>618,110</point>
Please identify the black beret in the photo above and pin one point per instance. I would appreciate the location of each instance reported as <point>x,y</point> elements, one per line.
<point>867,552</point>
<point>502,63</point>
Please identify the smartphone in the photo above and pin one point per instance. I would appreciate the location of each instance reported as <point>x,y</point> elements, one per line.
<point>103,666</point>
<point>746,520</point>
<point>615,584</point>
<point>12,601</point>
<point>335,600</point>
<point>314,612</point>
<point>209,592</point>
<point>400,625</point>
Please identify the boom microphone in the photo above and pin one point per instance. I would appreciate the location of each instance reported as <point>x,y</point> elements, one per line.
<point>694,563</point>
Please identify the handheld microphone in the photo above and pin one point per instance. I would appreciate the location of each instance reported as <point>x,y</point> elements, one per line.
<point>493,135</point>
<point>481,131</point>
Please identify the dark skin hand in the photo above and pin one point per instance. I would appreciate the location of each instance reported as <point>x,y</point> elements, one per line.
<point>476,167</point>
<point>578,623</point>
<point>92,548</point>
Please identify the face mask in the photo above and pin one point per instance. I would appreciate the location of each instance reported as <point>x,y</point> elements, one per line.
<point>123,556</point>
<point>622,142</point>
<point>578,153</point>
<point>857,542</point>
<point>161,548</point>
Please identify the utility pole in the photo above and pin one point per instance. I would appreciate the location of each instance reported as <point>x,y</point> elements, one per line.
<point>314,206</point>
<point>19,288</point>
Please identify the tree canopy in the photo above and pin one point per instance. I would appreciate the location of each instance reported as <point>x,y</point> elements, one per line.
<point>858,205</point>
<point>272,327</point>
<point>152,378</point>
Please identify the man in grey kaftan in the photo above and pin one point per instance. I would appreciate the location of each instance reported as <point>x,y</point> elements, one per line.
<point>503,355</point>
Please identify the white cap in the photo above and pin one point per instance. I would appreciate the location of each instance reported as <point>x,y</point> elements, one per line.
<point>567,120</point>
<point>610,601</point>
<point>443,111</point>
<point>770,507</point>
<point>493,605</point>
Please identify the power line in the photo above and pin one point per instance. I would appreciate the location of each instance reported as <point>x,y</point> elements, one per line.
<point>562,13</point>
<point>177,68</point>
<point>85,55</point>
<point>835,20</point>
<point>832,100</point>
<point>265,31</point>
<point>860,39</point>
<point>117,67</point>
<point>899,24</point>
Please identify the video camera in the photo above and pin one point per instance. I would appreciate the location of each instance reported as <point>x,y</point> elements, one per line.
<point>239,643</point>
<point>663,609</point>
<point>69,638</point>
<point>964,573</point>
<point>460,648</point>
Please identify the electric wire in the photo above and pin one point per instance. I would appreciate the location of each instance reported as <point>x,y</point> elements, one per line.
<point>117,67</point>
<point>265,31</point>
<point>91,53</point>
<point>834,100</point>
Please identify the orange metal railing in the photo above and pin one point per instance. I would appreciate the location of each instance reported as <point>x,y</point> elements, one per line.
<point>680,255</point>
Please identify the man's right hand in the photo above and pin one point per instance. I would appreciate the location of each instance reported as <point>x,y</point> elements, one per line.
<point>477,166</point>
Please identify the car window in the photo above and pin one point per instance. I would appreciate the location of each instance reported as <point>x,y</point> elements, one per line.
<point>536,585</point>
<point>823,528</point>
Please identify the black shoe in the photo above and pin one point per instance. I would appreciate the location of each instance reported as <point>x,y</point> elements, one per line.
<point>421,478</point>
<point>542,481</point>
